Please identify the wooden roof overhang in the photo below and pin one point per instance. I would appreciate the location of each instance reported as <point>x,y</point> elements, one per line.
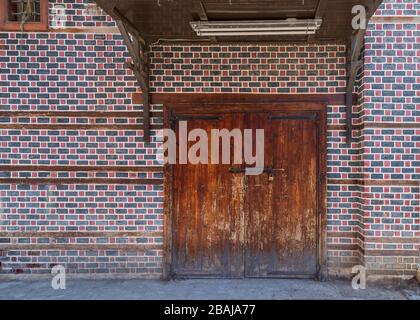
<point>144,22</point>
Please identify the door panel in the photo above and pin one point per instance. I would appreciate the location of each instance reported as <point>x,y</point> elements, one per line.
<point>281,214</point>
<point>226,224</point>
<point>259,207</point>
<point>208,212</point>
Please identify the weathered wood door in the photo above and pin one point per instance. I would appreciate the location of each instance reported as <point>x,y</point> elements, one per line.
<point>208,215</point>
<point>281,204</point>
<point>227,224</point>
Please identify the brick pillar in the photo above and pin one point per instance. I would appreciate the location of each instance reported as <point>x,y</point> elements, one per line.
<point>389,147</point>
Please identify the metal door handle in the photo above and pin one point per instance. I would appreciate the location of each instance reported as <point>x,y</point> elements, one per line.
<point>242,170</point>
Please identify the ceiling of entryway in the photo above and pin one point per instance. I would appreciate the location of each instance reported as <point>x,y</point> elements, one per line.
<point>170,19</point>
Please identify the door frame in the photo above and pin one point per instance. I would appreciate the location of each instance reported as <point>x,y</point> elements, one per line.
<point>215,106</point>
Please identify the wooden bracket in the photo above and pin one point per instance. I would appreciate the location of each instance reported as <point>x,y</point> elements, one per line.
<point>138,51</point>
<point>354,62</point>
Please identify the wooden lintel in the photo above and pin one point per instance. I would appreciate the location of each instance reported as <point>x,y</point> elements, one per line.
<point>243,98</point>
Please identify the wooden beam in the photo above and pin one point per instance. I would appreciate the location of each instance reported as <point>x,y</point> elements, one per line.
<point>243,98</point>
<point>54,168</point>
<point>118,16</point>
<point>128,42</point>
<point>73,246</point>
<point>60,181</point>
<point>374,183</point>
<point>58,126</point>
<point>78,234</point>
<point>76,114</point>
<point>134,51</point>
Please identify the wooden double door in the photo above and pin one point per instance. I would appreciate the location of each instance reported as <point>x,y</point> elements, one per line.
<point>227,224</point>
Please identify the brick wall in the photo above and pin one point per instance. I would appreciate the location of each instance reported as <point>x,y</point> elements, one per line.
<point>118,227</point>
<point>249,69</point>
<point>89,227</point>
<point>390,149</point>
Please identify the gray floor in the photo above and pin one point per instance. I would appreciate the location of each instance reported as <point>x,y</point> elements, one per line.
<point>200,289</point>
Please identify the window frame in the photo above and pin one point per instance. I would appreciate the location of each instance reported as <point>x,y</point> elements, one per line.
<point>6,25</point>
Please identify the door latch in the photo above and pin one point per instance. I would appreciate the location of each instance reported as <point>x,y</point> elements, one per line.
<point>270,171</point>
